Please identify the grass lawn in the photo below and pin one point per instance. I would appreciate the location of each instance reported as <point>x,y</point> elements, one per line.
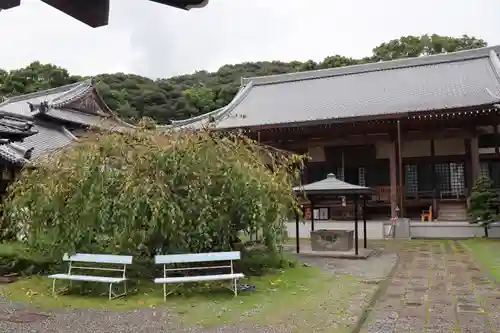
<point>304,295</point>
<point>487,251</point>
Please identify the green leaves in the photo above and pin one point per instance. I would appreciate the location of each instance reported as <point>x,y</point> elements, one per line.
<point>139,193</point>
<point>483,202</point>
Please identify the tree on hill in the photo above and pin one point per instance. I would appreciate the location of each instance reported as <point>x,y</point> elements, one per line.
<point>134,96</point>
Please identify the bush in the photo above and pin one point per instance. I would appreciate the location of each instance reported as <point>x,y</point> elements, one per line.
<point>483,203</point>
<point>259,261</point>
<point>142,193</point>
<point>17,259</point>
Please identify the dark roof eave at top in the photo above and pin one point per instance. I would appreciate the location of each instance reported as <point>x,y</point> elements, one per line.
<point>331,121</point>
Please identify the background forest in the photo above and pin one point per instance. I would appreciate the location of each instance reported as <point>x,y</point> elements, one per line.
<point>133,97</point>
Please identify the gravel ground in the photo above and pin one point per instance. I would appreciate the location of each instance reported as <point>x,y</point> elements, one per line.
<point>23,319</point>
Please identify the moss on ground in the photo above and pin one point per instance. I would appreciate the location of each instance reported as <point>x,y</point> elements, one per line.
<point>303,296</point>
<point>487,252</point>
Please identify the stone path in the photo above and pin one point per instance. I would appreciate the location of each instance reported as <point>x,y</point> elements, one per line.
<point>436,288</point>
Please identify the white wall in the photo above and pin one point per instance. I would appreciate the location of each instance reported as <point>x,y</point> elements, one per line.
<point>373,228</point>
<point>418,229</point>
<point>451,230</point>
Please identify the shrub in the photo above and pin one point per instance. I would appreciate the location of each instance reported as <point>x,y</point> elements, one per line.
<point>17,259</point>
<point>483,203</point>
<point>142,193</point>
<point>259,261</point>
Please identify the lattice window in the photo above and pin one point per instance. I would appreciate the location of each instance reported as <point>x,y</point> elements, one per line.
<point>443,178</point>
<point>411,179</point>
<point>361,176</point>
<point>457,179</point>
<point>485,170</point>
<point>340,173</point>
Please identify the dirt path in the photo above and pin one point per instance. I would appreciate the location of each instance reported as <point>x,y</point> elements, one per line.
<point>436,288</point>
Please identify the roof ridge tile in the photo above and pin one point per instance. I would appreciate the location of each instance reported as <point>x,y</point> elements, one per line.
<point>374,67</point>
<point>41,93</point>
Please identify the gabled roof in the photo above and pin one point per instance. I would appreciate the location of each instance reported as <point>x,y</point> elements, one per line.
<point>52,111</point>
<point>439,82</point>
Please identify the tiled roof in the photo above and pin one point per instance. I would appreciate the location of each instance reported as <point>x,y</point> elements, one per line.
<point>12,125</point>
<point>18,105</point>
<point>455,80</point>
<point>85,119</point>
<point>52,135</point>
<point>48,139</point>
<point>12,155</point>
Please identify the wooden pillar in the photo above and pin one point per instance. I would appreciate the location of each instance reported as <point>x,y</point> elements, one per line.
<point>312,215</point>
<point>365,242</point>
<point>497,137</point>
<point>356,240</point>
<point>400,171</point>
<point>435,190</point>
<point>474,157</point>
<point>393,169</point>
<point>297,235</point>
<point>468,167</point>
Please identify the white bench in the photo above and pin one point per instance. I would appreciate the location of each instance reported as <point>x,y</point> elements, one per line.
<point>102,259</point>
<point>173,259</point>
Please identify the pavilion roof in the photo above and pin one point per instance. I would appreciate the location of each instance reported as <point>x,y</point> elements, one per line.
<point>332,186</point>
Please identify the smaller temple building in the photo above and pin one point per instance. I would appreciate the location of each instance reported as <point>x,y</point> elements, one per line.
<point>39,123</point>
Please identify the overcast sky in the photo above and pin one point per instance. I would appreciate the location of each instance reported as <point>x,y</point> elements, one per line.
<point>159,41</point>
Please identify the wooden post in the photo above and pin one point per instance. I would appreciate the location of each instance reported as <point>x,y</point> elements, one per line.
<point>356,241</point>
<point>297,235</point>
<point>497,137</point>
<point>434,212</point>
<point>400,173</point>
<point>393,178</point>
<point>468,166</point>
<point>365,242</point>
<point>312,215</point>
<point>474,156</point>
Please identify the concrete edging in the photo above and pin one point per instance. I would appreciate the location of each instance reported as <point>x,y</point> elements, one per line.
<point>383,285</point>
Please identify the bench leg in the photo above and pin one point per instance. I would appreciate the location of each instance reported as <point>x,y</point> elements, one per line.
<point>110,290</point>
<point>113,295</point>
<point>53,286</point>
<point>164,292</point>
<point>235,284</point>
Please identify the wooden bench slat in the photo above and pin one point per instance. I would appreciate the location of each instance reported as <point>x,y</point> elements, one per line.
<point>200,278</point>
<point>197,257</point>
<point>88,278</point>
<point>99,258</point>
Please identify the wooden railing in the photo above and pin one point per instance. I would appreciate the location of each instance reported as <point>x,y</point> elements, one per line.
<point>384,194</point>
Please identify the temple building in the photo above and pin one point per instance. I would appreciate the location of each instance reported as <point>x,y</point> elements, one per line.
<point>39,123</point>
<point>420,131</point>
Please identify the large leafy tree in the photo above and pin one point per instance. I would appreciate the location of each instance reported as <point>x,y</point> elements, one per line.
<point>140,193</point>
<point>133,96</point>
<point>414,46</point>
